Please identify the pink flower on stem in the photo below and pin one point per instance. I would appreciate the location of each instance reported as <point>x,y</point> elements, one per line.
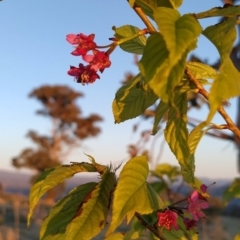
<point>84,43</point>
<point>196,203</point>
<point>83,74</point>
<point>98,61</point>
<point>168,220</point>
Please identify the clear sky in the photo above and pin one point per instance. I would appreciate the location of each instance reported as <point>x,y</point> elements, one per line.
<point>34,52</point>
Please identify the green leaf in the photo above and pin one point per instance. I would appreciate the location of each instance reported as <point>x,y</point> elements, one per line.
<point>148,6</point>
<point>195,136</point>
<point>52,177</point>
<point>233,191</point>
<point>176,134</point>
<point>222,35</point>
<point>179,32</point>
<point>227,83</point>
<point>90,213</point>
<point>55,225</point>
<point>131,187</point>
<point>161,110</point>
<point>132,99</point>
<point>155,57</point>
<point>156,68</point>
<point>135,45</point>
<point>230,11</point>
<point>164,58</point>
<point>201,70</point>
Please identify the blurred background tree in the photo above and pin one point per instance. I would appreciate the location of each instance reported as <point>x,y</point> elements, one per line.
<point>69,129</point>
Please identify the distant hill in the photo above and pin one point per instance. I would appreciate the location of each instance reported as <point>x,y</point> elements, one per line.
<point>17,182</point>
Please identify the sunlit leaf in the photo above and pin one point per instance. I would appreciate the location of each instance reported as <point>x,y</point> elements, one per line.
<point>176,134</point>
<point>227,83</point>
<point>225,86</point>
<point>132,99</point>
<point>164,58</point>
<point>132,193</point>
<point>52,177</point>
<point>135,45</point>
<point>156,68</point>
<point>201,70</point>
<point>195,136</point>
<point>90,213</point>
<point>233,191</point>
<point>230,11</point>
<point>179,32</point>
<point>161,110</point>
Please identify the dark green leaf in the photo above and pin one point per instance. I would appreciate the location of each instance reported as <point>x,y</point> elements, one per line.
<point>161,110</point>
<point>90,213</point>
<point>132,100</point>
<point>64,211</point>
<point>52,177</point>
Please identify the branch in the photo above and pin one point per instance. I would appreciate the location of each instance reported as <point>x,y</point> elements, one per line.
<point>149,226</point>
<point>230,124</point>
<point>144,18</point>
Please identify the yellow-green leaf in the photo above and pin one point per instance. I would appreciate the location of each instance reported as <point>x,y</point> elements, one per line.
<point>222,35</point>
<point>227,82</point>
<point>230,11</point>
<point>225,86</point>
<point>179,32</point>
<point>132,193</point>
<point>52,177</point>
<point>135,45</point>
<point>201,70</point>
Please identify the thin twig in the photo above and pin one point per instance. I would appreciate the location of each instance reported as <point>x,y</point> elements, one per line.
<point>230,124</point>
<point>149,226</point>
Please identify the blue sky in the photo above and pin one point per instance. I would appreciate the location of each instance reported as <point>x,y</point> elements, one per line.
<point>34,52</point>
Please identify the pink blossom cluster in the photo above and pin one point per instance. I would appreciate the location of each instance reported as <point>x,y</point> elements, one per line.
<point>98,61</point>
<point>196,202</point>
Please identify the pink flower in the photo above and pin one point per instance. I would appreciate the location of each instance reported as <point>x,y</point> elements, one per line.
<point>189,223</point>
<point>84,43</point>
<point>98,61</point>
<point>168,219</point>
<point>83,74</point>
<point>196,203</point>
